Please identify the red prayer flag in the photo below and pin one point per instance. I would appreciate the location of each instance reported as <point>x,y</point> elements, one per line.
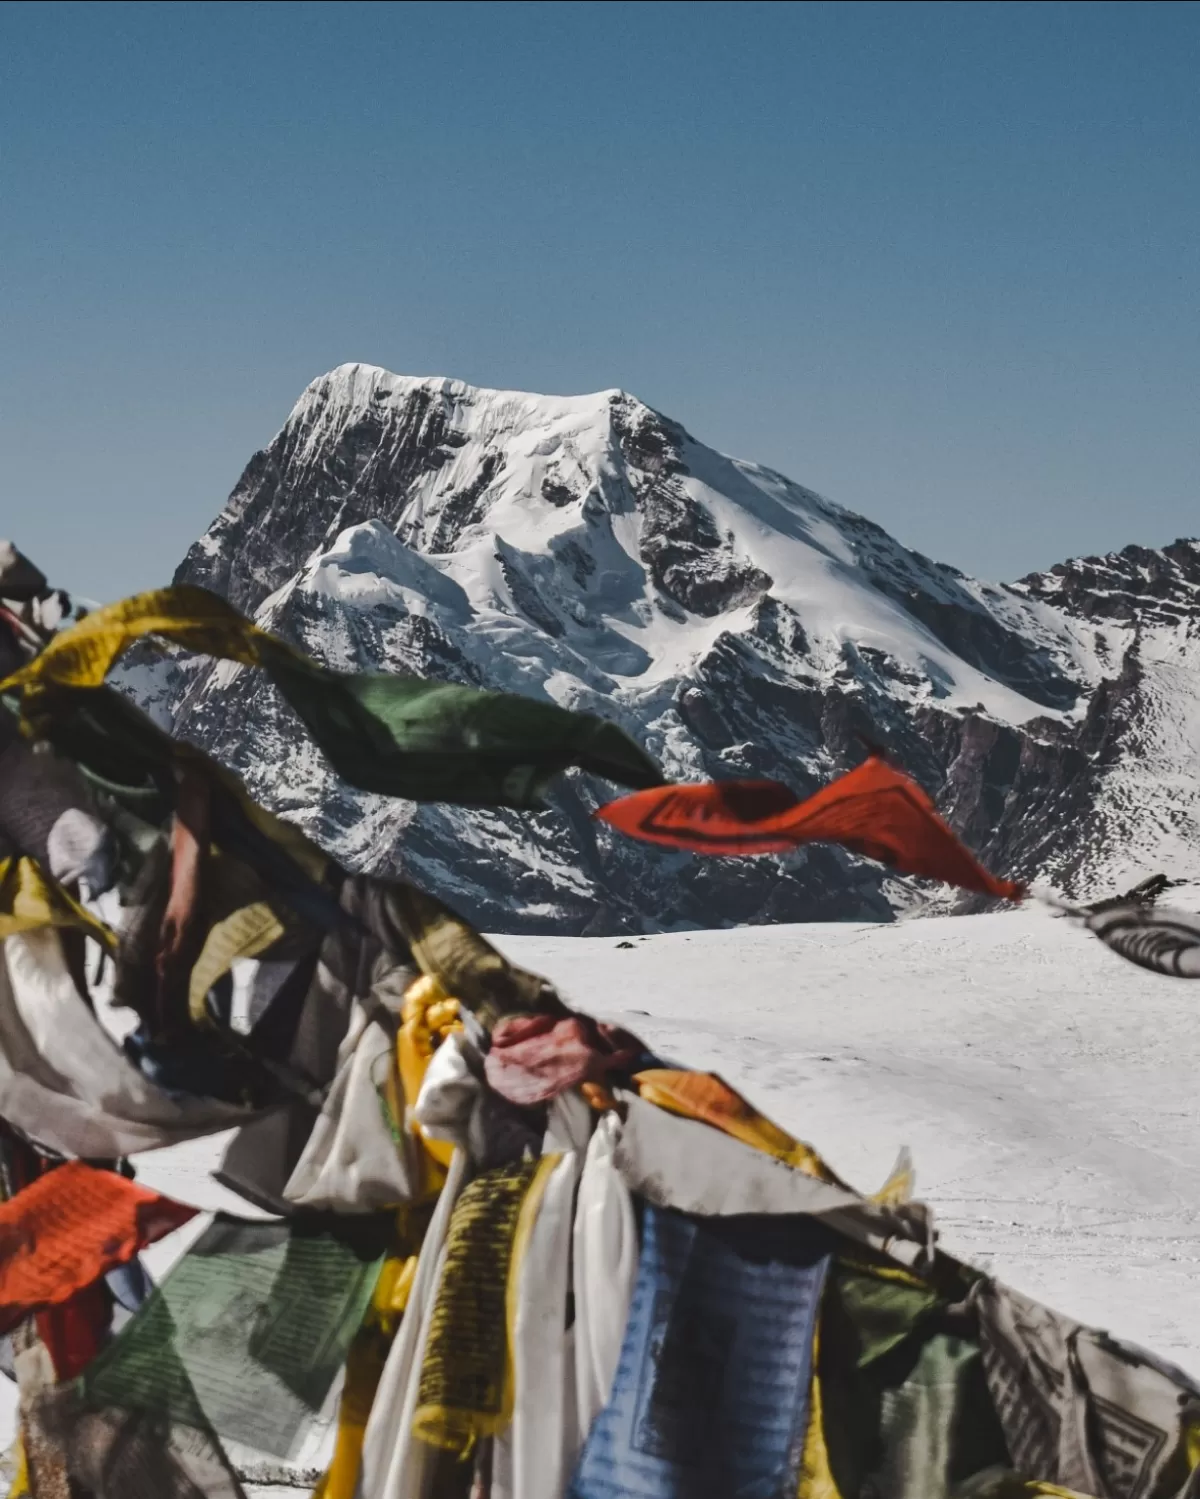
<point>874,810</point>
<point>533,1058</point>
<point>68,1228</point>
<point>74,1331</point>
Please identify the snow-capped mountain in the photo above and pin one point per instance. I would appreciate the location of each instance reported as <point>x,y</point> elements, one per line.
<point>590,550</point>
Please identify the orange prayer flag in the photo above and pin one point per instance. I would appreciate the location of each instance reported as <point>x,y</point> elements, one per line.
<point>708,1098</point>
<point>70,1227</point>
<point>874,811</point>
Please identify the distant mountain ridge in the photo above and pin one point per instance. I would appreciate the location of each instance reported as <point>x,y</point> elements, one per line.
<point>590,550</point>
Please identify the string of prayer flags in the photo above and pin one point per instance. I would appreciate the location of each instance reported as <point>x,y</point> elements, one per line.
<point>874,811</point>
<point>68,1228</point>
<point>399,736</point>
<point>542,1261</point>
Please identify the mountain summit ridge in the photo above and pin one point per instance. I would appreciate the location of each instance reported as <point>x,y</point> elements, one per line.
<point>588,549</point>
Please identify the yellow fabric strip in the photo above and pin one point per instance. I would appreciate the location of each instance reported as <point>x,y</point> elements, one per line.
<point>428,1016</point>
<point>83,655</point>
<point>816,1476</point>
<point>1191,1444</point>
<point>364,1369</point>
<point>28,900</point>
<point>246,933</point>
<point>896,1273</point>
<point>392,1290</point>
<point>20,1483</point>
<point>369,1351</point>
<point>899,1187</point>
<point>1052,1491</point>
<point>466,1378</point>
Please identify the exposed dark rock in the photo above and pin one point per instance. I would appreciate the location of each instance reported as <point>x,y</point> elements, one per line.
<point>465,507</point>
<point>558,494</point>
<point>306,487</point>
<point>519,575</point>
<point>1137,584</point>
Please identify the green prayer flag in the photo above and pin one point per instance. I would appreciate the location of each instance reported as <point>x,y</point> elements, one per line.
<point>395,735</point>
<point>906,1409</point>
<point>437,741</point>
<point>246,1334</point>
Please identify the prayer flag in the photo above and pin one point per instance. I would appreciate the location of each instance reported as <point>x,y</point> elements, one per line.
<point>1166,942</point>
<point>874,811</point>
<point>399,736</point>
<point>70,1227</point>
<point>711,1392</point>
<point>246,1334</point>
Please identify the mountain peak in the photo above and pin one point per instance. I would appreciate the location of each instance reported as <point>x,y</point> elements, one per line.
<point>589,550</point>
<point>354,388</point>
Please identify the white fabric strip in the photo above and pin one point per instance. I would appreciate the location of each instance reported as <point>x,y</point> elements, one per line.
<point>63,1081</point>
<point>694,1168</point>
<point>605,1268</point>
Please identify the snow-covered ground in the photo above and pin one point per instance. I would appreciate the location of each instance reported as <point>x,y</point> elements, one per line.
<point>1047,1089</point>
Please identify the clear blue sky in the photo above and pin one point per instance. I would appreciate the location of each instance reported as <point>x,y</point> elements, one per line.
<point>941,262</point>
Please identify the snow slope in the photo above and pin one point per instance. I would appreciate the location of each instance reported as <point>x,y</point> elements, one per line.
<point>590,551</point>
<point>1047,1090</point>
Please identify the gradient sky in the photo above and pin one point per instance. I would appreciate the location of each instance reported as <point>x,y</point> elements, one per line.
<point>940,262</point>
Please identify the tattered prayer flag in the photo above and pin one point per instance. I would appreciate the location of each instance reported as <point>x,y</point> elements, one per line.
<point>399,736</point>
<point>30,899</point>
<point>63,1080</point>
<point>466,1385</point>
<point>246,1334</point>
<point>905,1406</point>
<point>70,1227</point>
<point>450,951</point>
<point>114,1453</point>
<point>874,811</point>
<point>1071,1398</point>
<point>1166,942</point>
<point>708,1098</point>
<point>711,1392</point>
<point>533,1058</point>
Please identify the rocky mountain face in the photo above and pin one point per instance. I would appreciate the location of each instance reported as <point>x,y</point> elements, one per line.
<point>591,551</point>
